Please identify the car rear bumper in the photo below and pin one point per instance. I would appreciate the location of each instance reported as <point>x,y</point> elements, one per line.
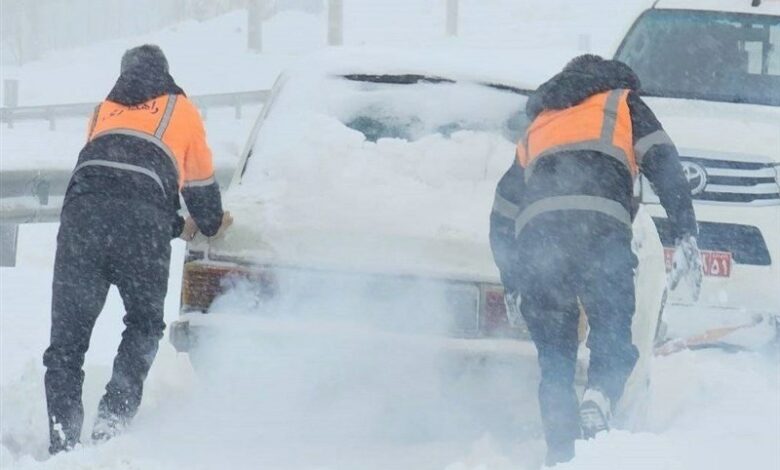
<point>194,329</point>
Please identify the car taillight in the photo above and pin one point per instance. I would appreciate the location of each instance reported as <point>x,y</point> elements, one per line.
<point>493,320</point>
<point>203,282</point>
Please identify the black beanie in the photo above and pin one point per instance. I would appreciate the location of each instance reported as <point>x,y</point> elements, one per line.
<point>148,57</point>
<point>583,60</point>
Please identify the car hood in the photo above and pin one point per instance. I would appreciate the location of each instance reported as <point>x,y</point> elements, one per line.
<point>740,131</point>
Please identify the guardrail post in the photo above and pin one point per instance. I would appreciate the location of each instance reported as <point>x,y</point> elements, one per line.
<point>583,43</point>
<point>452,17</point>
<point>335,22</point>
<point>50,118</point>
<point>9,234</point>
<point>254,27</point>
<point>10,98</point>
<point>40,188</point>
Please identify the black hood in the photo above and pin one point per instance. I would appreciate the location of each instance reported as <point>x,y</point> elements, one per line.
<point>139,85</point>
<point>582,78</point>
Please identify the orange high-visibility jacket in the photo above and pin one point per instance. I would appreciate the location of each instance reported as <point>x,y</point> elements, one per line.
<point>172,123</point>
<point>601,123</point>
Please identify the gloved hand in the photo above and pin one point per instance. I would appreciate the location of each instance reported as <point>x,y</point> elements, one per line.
<point>189,230</point>
<point>191,227</point>
<point>686,266</point>
<point>512,303</point>
<point>227,221</point>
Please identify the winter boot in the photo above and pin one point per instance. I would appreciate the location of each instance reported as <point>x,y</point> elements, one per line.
<point>107,425</point>
<point>62,438</point>
<point>558,453</point>
<point>595,413</point>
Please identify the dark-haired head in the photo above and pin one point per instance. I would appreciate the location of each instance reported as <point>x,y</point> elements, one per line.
<point>148,58</point>
<point>582,61</point>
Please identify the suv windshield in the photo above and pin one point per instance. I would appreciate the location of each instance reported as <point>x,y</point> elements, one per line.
<point>714,56</point>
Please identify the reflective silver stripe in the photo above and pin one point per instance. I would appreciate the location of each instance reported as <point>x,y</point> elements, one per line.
<point>643,145</point>
<point>610,116</point>
<point>147,137</point>
<point>505,208</point>
<point>595,145</point>
<point>166,118</point>
<point>562,203</point>
<point>124,166</point>
<point>200,183</point>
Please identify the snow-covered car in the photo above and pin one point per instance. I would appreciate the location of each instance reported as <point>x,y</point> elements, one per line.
<point>363,197</point>
<point>711,72</point>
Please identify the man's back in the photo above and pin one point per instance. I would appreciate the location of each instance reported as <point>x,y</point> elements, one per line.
<point>561,234</point>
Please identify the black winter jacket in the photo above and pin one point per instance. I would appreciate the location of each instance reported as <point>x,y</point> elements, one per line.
<point>136,86</point>
<point>590,172</point>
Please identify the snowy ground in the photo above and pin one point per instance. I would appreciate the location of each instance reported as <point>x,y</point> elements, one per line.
<point>709,410</point>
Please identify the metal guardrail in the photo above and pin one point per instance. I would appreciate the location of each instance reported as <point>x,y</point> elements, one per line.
<point>32,196</point>
<point>51,113</point>
<point>36,197</point>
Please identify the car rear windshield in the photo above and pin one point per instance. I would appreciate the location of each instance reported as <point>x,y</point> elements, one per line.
<point>405,114</point>
<point>410,107</point>
<point>715,56</point>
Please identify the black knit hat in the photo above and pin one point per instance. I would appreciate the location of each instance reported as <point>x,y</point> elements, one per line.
<point>583,60</point>
<point>148,57</point>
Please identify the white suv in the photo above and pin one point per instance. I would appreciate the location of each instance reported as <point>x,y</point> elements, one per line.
<point>711,73</point>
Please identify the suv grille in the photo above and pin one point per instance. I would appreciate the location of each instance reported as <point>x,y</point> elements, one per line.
<point>731,181</point>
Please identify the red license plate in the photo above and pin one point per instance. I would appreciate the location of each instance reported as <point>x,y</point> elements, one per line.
<point>715,263</point>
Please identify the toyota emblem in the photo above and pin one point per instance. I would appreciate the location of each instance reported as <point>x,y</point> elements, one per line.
<point>696,176</point>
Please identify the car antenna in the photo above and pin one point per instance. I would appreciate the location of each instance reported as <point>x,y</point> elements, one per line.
<point>756,3</point>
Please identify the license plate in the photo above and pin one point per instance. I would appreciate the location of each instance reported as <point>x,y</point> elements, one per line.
<point>714,263</point>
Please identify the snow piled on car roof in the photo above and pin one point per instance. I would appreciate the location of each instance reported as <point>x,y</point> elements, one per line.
<point>495,65</point>
<point>375,161</point>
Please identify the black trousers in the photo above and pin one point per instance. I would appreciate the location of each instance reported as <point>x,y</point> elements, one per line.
<point>103,242</point>
<point>569,257</point>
